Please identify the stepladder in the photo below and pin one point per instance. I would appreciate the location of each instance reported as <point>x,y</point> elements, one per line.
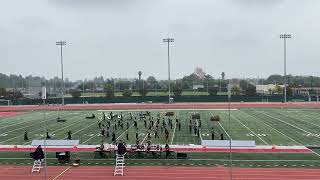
<point>119,167</point>
<point>37,166</point>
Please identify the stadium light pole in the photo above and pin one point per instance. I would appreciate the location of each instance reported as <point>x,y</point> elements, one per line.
<point>61,43</point>
<point>168,41</point>
<point>44,97</point>
<point>284,37</point>
<point>230,139</point>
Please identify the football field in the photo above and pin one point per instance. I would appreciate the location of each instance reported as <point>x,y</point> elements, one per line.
<point>266,126</point>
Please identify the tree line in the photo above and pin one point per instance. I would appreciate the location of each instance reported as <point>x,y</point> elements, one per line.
<point>12,85</point>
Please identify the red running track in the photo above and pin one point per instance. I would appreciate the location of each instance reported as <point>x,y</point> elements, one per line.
<point>193,105</point>
<point>160,173</point>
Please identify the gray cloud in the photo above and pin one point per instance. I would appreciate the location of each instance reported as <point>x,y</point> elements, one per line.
<point>257,3</point>
<point>124,37</point>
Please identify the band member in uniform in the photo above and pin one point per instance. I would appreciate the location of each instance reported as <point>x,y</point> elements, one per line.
<point>156,134</point>
<point>135,124</point>
<point>48,137</point>
<point>26,136</point>
<point>127,135</point>
<point>212,135</point>
<point>69,135</point>
<point>113,137</point>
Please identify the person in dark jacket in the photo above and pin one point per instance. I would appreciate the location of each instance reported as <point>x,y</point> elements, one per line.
<point>26,136</point>
<point>69,135</point>
<point>38,154</point>
<point>121,148</point>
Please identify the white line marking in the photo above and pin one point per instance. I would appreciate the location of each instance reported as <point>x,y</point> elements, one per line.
<point>28,133</point>
<point>137,110</point>
<point>284,122</point>
<point>73,123</point>
<point>303,119</point>
<point>222,127</point>
<point>249,130</point>
<point>174,130</point>
<point>315,153</point>
<point>271,127</point>
<point>47,113</point>
<point>124,131</point>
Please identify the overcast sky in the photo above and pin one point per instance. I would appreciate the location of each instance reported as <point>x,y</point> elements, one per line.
<point>117,38</point>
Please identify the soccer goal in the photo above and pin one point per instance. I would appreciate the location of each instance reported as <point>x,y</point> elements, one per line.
<point>4,102</point>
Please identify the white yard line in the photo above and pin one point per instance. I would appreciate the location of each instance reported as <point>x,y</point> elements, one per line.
<point>272,128</point>
<point>304,120</point>
<point>147,132</point>
<point>73,123</point>
<point>98,134</point>
<point>90,138</point>
<point>173,109</point>
<point>174,130</point>
<point>250,130</point>
<point>287,123</point>
<point>28,133</point>
<point>222,127</point>
<point>315,153</point>
<point>124,131</point>
<point>14,124</point>
<point>39,122</point>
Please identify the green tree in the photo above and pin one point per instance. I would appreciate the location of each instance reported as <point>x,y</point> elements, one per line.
<point>223,75</point>
<point>75,93</point>
<point>109,89</point>
<point>143,91</point>
<point>213,91</point>
<point>243,85</point>
<point>289,91</point>
<point>235,90</point>
<point>251,90</point>
<point>14,95</point>
<point>176,89</point>
<point>278,89</point>
<point>139,74</point>
<point>3,92</point>
<point>127,93</point>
